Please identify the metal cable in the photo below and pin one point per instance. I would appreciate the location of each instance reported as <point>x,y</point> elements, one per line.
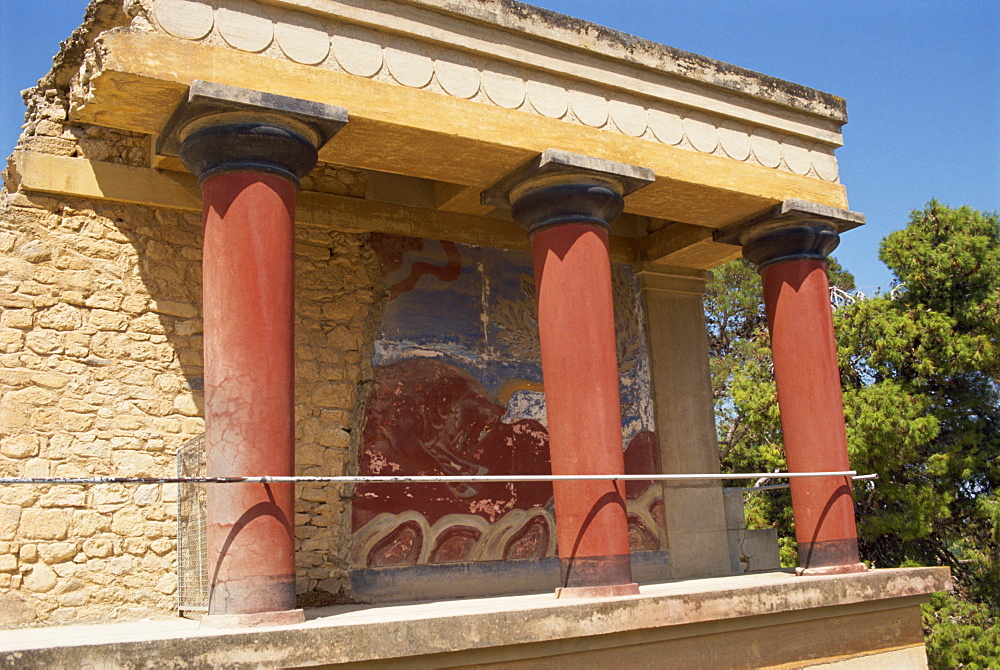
<point>394,479</point>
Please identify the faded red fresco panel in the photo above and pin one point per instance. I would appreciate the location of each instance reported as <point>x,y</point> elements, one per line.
<point>458,391</point>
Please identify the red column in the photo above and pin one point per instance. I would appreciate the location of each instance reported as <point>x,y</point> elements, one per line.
<point>797,300</point>
<point>249,389</point>
<point>580,370</point>
<point>249,176</point>
<point>567,203</point>
<point>249,149</point>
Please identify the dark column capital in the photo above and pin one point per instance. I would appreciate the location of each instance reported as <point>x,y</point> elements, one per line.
<point>793,230</point>
<point>218,129</point>
<point>807,240</point>
<point>560,187</point>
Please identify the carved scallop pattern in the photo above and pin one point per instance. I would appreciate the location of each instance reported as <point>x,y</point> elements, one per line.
<point>825,165</point>
<point>701,132</point>
<point>457,73</point>
<point>504,88</point>
<point>766,147</point>
<point>735,140</point>
<point>409,63</point>
<point>186,19</point>
<point>796,157</point>
<point>363,52</point>
<point>590,108</point>
<point>302,38</point>
<point>666,126</point>
<point>244,26</point>
<point>629,117</point>
<point>357,50</point>
<point>548,99</point>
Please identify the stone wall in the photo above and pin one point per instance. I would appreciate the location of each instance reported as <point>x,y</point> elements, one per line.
<point>101,374</point>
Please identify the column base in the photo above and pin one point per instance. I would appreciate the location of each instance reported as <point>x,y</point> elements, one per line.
<point>831,570</point>
<point>255,620</point>
<point>612,591</point>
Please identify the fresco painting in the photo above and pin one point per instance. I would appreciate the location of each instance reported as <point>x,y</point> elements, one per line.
<point>458,390</point>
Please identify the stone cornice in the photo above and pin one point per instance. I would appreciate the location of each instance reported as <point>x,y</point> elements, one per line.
<point>522,58</point>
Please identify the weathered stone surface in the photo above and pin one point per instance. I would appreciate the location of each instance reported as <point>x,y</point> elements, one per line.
<point>20,446</point>
<point>15,609</point>
<point>57,552</point>
<point>45,524</point>
<point>41,579</point>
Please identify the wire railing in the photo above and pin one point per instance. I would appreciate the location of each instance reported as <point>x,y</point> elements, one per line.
<point>430,479</point>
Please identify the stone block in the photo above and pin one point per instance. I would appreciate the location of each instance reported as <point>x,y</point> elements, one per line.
<point>104,300</point>
<point>735,513</point>
<point>41,579</point>
<point>170,308</point>
<point>32,396</point>
<point>101,319</point>
<point>98,548</point>
<point>20,446</point>
<point>45,524</point>
<point>754,550</point>
<point>698,555</point>
<point>35,252</point>
<point>11,340</point>
<point>64,496</point>
<point>146,494</point>
<point>60,317</point>
<point>57,552</point>
<point>167,584</point>
<point>15,609</point>
<point>8,563</point>
<point>22,319</point>
<point>36,467</point>
<point>28,553</point>
<point>134,464</point>
<point>50,380</point>
<point>127,523</point>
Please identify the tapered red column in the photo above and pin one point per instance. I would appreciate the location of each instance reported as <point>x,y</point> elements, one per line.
<point>792,263</point>
<point>249,171</point>
<point>249,389</point>
<point>567,206</point>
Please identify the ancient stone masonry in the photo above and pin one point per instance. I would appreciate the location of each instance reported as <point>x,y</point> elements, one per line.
<point>101,374</point>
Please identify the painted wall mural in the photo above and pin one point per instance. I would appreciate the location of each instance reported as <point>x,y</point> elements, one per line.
<point>458,390</point>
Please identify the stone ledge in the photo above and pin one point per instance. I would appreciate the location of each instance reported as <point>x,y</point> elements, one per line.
<point>364,633</point>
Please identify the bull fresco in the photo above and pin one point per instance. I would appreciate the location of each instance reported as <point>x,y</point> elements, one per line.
<point>458,391</point>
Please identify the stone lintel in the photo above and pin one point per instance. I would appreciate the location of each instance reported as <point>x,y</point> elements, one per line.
<point>789,213</point>
<point>207,103</point>
<point>670,279</point>
<point>558,166</point>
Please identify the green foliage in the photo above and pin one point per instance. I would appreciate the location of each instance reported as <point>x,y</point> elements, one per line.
<point>960,634</point>
<point>920,368</point>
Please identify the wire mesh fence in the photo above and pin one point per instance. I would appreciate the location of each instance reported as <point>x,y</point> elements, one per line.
<point>192,547</point>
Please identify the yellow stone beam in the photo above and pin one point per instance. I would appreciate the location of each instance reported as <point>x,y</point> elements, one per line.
<point>424,134</point>
<point>687,246</point>
<point>83,178</point>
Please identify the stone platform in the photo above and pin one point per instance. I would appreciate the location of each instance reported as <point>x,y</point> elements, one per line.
<point>761,620</point>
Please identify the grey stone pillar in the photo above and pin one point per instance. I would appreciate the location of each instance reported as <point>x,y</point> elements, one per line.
<point>685,420</point>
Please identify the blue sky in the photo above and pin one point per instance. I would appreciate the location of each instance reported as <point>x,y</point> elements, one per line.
<point>921,79</point>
